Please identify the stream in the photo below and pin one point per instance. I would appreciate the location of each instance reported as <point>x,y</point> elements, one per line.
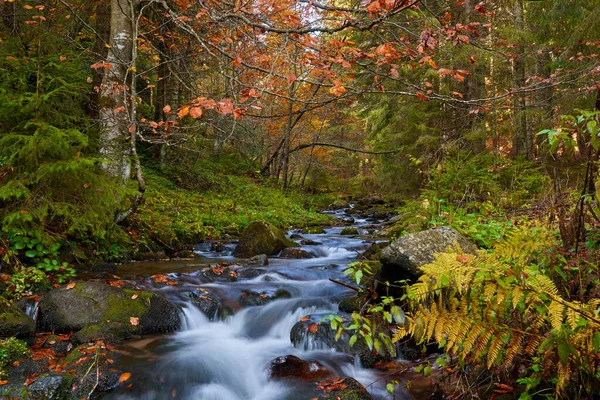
<point>228,357</point>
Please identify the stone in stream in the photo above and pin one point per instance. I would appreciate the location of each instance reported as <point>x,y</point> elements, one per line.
<point>292,252</point>
<point>260,260</point>
<point>292,367</point>
<point>14,322</point>
<point>341,388</point>
<point>252,298</point>
<point>403,258</point>
<point>204,301</point>
<point>250,273</point>
<point>308,242</point>
<point>100,310</point>
<point>349,231</point>
<point>313,230</point>
<point>311,334</point>
<point>296,236</point>
<point>262,238</point>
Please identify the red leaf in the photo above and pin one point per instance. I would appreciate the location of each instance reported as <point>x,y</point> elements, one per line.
<point>421,96</point>
<point>71,285</point>
<point>124,376</point>
<point>313,328</point>
<point>291,78</point>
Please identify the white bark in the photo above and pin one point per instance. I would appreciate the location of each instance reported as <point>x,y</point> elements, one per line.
<point>115,112</point>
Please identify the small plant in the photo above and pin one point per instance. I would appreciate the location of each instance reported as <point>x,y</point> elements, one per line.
<point>27,281</point>
<point>11,350</point>
<point>43,254</point>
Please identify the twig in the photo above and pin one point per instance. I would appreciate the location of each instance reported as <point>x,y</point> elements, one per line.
<point>356,289</point>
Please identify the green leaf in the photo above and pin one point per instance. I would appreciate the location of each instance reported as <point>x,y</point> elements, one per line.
<point>369,341</point>
<point>564,350</point>
<point>427,370</point>
<point>390,388</point>
<point>398,314</point>
<point>358,276</point>
<point>352,340</point>
<point>19,246</point>
<point>525,396</point>
<point>379,348</point>
<point>31,253</point>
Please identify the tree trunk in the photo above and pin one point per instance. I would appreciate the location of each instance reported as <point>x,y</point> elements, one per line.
<point>115,115</point>
<point>522,137</point>
<point>100,51</point>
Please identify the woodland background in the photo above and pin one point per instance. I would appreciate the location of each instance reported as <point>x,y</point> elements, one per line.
<point>130,127</point>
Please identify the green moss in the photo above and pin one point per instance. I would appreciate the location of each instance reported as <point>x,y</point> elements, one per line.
<point>74,355</point>
<point>349,231</point>
<point>314,230</point>
<point>122,308</point>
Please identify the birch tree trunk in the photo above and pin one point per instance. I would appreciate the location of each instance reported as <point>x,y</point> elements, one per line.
<point>115,114</point>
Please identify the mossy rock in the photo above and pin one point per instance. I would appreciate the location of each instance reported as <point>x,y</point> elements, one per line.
<point>341,388</point>
<point>262,238</point>
<point>90,305</point>
<point>349,231</point>
<point>14,322</point>
<point>313,230</point>
<point>352,304</point>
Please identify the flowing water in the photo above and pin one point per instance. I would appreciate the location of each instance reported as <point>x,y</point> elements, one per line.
<point>229,358</point>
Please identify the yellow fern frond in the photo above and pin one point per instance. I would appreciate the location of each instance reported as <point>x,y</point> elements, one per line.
<point>515,346</point>
<point>556,313</point>
<point>495,351</point>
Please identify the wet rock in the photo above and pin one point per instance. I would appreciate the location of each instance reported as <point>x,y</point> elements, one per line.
<point>349,231</point>
<point>402,259</point>
<point>291,252</point>
<point>13,321</point>
<point>292,367</point>
<point>308,242</point>
<point>104,267</point>
<point>312,334</point>
<point>250,273</point>
<point>339,205</point>
<point>353,304</point>
<point>205,302</point>
<point>108,332</point>
<point>92,304</point>
<point>260,259</point>
<point>373,252</point>
<point>296,236</point>
<point>222,272</point>
<point>262,238</point>
<point>341,388</point>
<point>218,247</point>
<point>252,298</point>
<point>313,230</point>
<point>51,386</point>
<point>347,221</point>
<point>185,254</point>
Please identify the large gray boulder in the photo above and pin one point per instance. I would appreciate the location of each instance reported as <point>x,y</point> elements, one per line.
<point>403,258</point>
<point>14,322</point>
<point>262,238</point>
<point>99,310</point>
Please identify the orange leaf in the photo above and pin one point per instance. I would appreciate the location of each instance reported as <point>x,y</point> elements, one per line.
<point>167,109</point>
<point>135,296</point>
<point>124,376</point>
<point>71,285</point>
<point>291,78</point>
<point>134,321</point>
<point>313,328</point>
<point>196,112</point>
<point>3,383</point>
<point>183,111</point>
<point>421,96</point>
<point>463,258</point>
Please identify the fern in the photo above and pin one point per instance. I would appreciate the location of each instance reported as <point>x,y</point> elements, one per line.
<point>499,308</point>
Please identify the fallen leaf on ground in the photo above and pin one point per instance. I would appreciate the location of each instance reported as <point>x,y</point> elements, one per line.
<point>134,321</point>
<point>124,376</point>
<point>71,285</point>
